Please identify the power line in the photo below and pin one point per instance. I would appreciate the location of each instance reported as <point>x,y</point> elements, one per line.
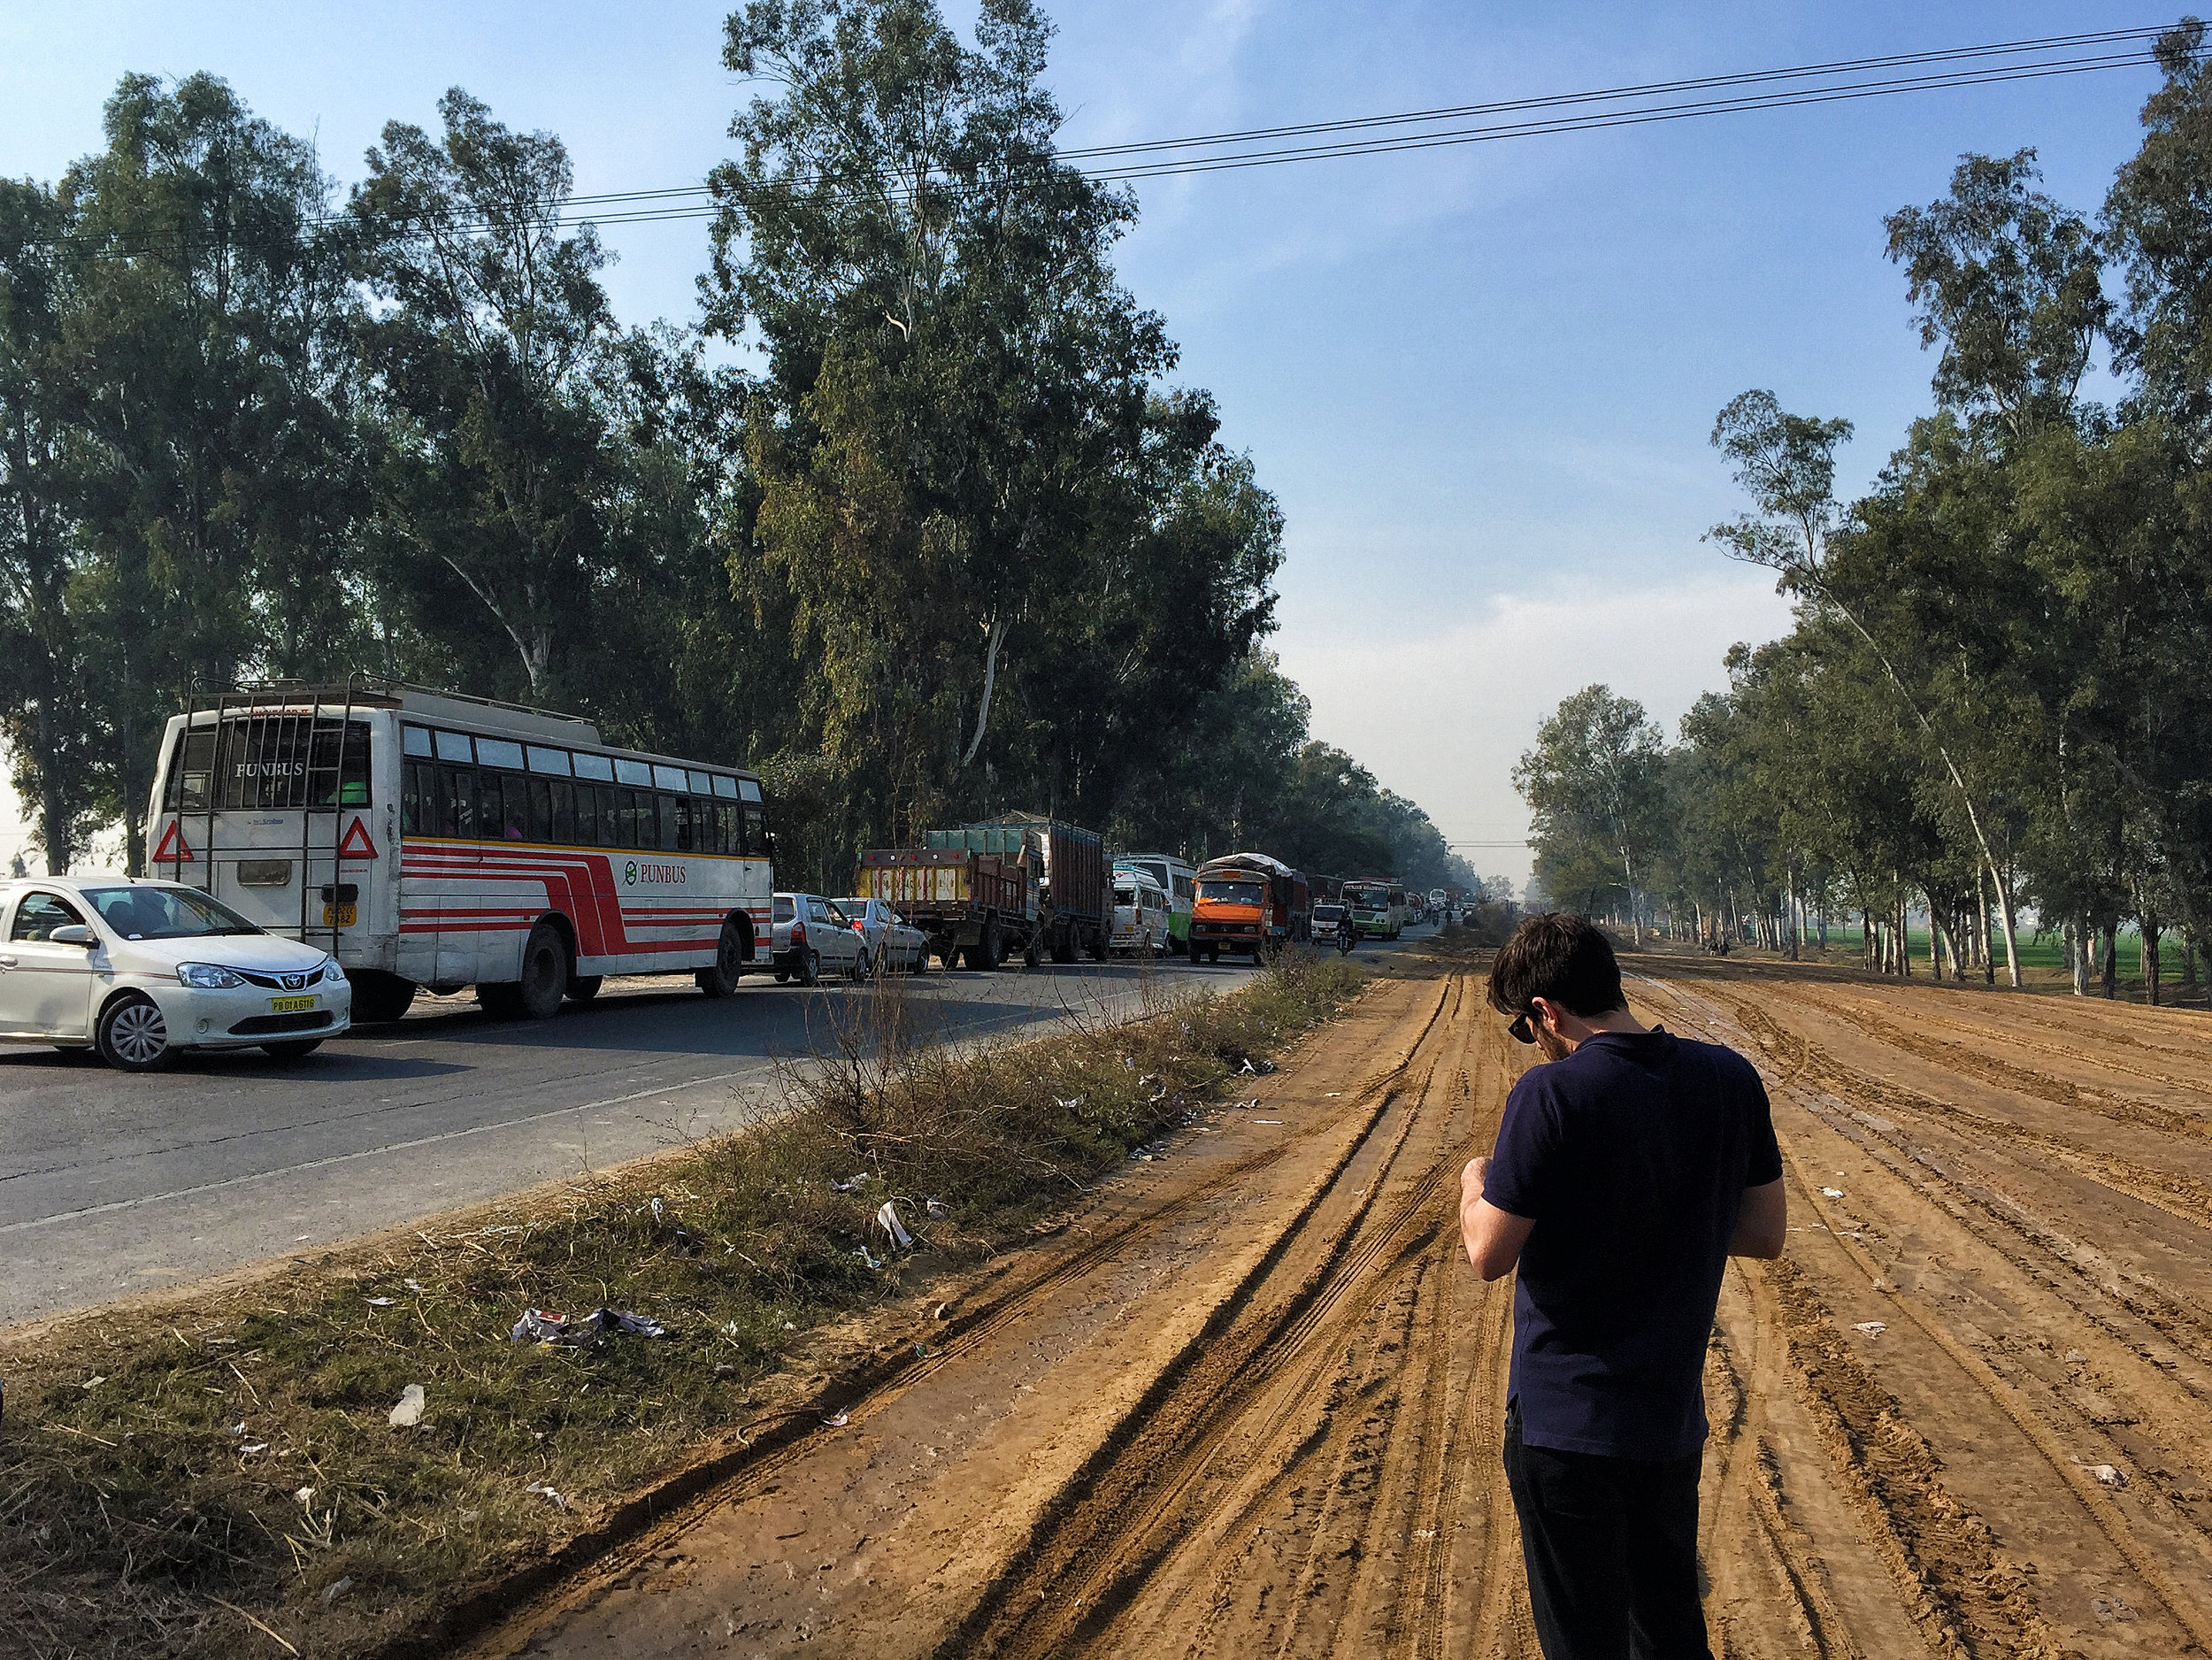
<point>1948,69</point>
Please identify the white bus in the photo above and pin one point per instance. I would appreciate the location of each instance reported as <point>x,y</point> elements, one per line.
<point>429,838</point>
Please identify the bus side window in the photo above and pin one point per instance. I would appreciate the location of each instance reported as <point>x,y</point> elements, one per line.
<point>603,800</point>
<point>756,831</point>
<point>449,800</point>
<point>670,810</point>
<point>681,806</point>
<point>410,799</point>
<point>541,824</point>
<point>624,818</point>
<point>725,834</point>
<point>563,812</point>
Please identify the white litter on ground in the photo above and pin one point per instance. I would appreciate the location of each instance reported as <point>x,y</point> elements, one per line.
<point>411,1405</point>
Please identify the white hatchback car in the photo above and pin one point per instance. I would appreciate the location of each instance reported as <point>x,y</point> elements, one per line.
<point>142,970</point>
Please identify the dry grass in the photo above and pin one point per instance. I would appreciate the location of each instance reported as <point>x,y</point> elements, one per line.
<point>222,1478</point>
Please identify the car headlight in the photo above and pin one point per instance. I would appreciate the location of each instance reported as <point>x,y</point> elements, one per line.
<point>333,973</point>
<point>207,976</point>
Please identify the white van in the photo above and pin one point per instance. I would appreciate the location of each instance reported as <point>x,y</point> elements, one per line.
<point>1140,914</point>
<point>1181,881</point>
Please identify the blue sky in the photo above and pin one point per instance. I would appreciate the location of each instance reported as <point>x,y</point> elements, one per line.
<point>1480,380</point>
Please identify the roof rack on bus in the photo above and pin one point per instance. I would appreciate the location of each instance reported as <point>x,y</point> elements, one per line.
<point>368,687</point>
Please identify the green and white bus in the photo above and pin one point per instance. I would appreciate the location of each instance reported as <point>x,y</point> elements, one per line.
<point>1181,881</point>
<point>1378,908</point>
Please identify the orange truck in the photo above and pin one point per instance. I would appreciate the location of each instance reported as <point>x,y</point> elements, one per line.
<point>1248,903</point>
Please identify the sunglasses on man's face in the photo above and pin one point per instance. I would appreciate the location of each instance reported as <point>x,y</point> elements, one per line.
<point>1523,1027</point>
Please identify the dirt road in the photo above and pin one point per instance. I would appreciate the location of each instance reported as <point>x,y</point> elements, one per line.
<point>1249,1402</point>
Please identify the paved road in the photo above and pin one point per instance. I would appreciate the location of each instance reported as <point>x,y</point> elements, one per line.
<point>112,1184</point>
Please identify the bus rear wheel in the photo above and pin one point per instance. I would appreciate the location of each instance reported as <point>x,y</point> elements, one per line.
<point>537,994</point>
<point>730,952</point>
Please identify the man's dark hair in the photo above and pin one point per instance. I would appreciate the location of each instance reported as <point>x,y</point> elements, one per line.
<point>1559,958</point>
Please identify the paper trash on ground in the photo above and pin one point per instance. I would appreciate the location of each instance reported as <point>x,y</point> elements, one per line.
<point>409,1412</point>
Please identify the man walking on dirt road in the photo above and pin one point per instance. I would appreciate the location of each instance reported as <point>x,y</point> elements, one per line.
<point>1627,1170</point>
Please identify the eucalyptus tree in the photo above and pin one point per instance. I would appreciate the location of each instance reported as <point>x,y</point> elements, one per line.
<point>47,712</point>
<point>1593,781</point>
<point>1787,463</point>
<point>484,347</point>
<point>2010,288</point>
<point>971,477</point>
<point>203,352</point>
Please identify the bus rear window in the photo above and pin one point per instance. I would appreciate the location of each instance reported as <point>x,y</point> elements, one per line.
<point>270,761</point>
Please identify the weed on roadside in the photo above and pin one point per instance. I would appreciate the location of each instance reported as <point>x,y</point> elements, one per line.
<point>171,1479</point>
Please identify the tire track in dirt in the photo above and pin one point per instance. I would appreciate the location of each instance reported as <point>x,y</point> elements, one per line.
<point>1191,1471</point>
<point>1959,1056</point>
<point>2019,1404</point>
<point>968,1333</point>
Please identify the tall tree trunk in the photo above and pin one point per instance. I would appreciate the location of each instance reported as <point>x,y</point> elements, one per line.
<point>1980,902</point>
<point>2146,949</point>
<point>1904,938</point>
<point>2111,960</point>
<point>2005,920</point>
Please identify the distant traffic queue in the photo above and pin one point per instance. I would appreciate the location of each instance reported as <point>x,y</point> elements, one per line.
<point>434,840</point>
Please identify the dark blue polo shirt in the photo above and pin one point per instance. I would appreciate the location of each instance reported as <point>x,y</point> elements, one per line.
<point>1631,1155</point>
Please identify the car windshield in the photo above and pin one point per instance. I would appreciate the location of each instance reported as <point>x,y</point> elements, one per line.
<point>164,913</point>
<point>1125,895</point>
<point>1328,913</point>
<point>854,908</point>
<point>1233,893</point>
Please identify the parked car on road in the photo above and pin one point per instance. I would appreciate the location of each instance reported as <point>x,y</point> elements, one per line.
<point>895,944</point>
<point>812,937</point>
<point>142,970</point>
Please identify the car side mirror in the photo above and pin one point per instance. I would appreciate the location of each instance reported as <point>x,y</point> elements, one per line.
<point>73,933</point>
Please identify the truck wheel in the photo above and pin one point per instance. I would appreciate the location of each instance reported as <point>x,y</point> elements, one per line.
<point>988,953</point>
<point>1094,945</point>
<point>1063,943</point>
<point>1031,955</point>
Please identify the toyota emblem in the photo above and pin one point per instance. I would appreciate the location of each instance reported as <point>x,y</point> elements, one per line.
<point>293,982</point>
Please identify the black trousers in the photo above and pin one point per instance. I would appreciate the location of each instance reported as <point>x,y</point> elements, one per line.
<point>1610,1545</point>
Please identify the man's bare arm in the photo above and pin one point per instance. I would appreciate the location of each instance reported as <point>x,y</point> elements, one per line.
<point>1493,1238</point>
<point>1763,1225</point>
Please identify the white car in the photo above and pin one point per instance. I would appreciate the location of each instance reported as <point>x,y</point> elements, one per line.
<point>811,937</point>
<point>895,944</point>
<point>142,970</point>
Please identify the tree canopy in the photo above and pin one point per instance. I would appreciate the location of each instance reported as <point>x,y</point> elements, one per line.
<point>961,543</point>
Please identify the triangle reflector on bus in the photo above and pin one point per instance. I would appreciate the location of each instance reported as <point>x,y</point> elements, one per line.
<point>173,849</point>
<point>356,844</point>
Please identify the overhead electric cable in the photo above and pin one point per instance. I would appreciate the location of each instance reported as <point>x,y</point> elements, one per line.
<point>1839,80</point>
